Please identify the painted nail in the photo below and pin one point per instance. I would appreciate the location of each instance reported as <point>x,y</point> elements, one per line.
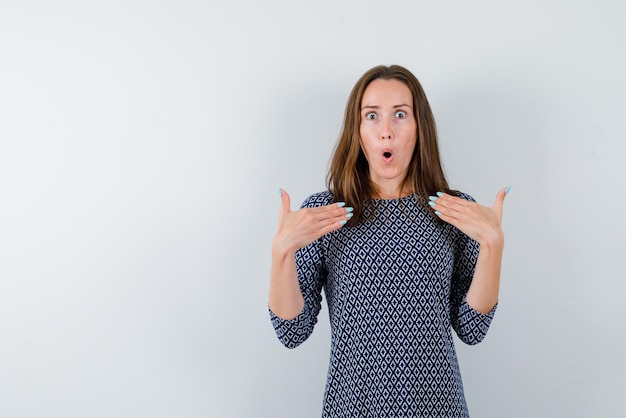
<point>439,194</point>
<point>349,215</point>
<point>508,189</point>
<point>437,213</point>
<point>341,204</point>
<point>432,203</point>
<point>343,222</point>
<point>280,192</point>
<point>349,209</point>
<point>433,198</point>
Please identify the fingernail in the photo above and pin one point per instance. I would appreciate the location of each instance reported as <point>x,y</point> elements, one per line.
<point>439,194</point>
<point>349,215</point>
<point>508,189</point>
<point>437,213</point>
<point>343,222</point>
<point>432,203</point>
<point>341,204</point>
<point>280,192</point>
<point>349,209</point>
<point>433,198</point>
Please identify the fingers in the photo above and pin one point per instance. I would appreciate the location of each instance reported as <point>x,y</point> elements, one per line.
<point>320,212</point>
<point>336,210</point>
<point>307,225</point>
<point>299,228</point>
<point>481,223</point>
<point>285,206</point>
<point>500,197</point>
<point>447,206</point>
<point>453,205</point>
<point>331,216</point>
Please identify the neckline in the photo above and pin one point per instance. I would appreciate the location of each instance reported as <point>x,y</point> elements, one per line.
<point>395,199</point>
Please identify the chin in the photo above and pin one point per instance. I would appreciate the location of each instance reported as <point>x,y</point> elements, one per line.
<point>389,174</point>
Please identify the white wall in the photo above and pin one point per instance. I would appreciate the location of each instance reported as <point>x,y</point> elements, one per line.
<point>142,145</point>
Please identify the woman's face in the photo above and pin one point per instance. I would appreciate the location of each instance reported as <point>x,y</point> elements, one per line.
<point>388,132</point>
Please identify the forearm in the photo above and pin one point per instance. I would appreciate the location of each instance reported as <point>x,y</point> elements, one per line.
<point>285,298</point>
<point>482,295</point>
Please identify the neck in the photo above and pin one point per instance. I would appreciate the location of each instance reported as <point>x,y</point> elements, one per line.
<point>391,191</point>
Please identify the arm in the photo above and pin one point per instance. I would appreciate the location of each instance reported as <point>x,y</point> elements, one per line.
<point>304,297</point>
<point>285,300</point>
<point>297,272</point>
<point>476,278</point>
<point>483,225</point>
<point>483,292</point>
<point>469,324</point>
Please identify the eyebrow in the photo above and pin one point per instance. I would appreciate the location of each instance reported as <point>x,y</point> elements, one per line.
<point>378,107</point>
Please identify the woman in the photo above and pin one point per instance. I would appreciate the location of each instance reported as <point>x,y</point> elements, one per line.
<point>405,263</point>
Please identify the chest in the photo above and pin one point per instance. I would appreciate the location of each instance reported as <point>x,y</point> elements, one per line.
<point>401,257</point>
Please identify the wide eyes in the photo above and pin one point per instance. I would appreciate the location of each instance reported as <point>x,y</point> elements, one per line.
<point>400,114</point>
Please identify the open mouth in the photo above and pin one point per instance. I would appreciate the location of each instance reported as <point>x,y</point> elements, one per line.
<point>387,155</point>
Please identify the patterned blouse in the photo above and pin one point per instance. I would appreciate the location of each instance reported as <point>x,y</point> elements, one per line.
<point>395,285</point>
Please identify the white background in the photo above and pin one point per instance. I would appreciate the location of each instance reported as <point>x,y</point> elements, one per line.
<point>143,144</point>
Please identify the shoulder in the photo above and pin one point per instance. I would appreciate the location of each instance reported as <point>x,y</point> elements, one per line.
<point>318,199</point>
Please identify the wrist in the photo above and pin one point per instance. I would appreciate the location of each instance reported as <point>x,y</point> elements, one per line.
<point>281,249</point>
<point>493,241</point>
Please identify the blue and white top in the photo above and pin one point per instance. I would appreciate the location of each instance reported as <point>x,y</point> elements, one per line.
<point>395,285</point>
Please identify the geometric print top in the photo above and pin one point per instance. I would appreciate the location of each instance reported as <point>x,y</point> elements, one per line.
<point>395,286</point>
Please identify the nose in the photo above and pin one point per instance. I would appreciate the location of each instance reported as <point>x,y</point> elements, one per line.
<point>385,129</point>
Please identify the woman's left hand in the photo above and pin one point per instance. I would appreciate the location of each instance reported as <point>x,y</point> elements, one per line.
<point>480,223</point>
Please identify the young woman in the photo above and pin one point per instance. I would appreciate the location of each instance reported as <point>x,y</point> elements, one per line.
<point>402,260</point>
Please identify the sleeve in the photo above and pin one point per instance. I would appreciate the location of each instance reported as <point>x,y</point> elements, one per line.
<point>311,276</point>
<point>470,325</point>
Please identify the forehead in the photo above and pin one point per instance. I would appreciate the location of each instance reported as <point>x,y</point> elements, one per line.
<point>391,92</point>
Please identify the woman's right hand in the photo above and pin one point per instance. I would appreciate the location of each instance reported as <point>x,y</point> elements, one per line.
<point>299,228</point>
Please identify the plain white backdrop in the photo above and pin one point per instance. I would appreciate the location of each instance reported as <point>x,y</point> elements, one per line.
<point>142,145</point>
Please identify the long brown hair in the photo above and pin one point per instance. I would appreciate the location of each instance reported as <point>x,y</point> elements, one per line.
<point>348,176</point>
